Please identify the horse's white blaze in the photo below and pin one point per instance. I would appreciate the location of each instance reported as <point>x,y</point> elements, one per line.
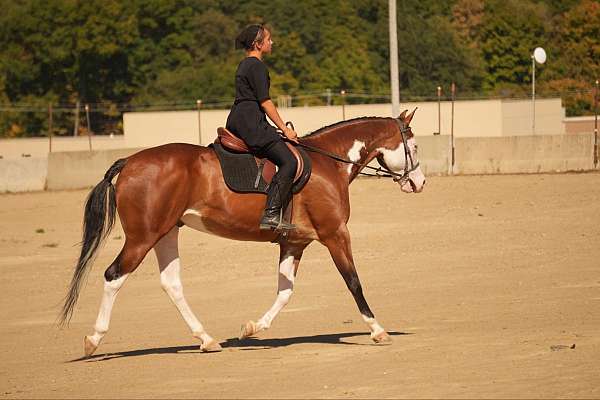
<point>285,287</point>
<point>193,219</point>
<point>373,325</point>
<point>354,153</point>
<point>169,265</point>
<point>108,300</point>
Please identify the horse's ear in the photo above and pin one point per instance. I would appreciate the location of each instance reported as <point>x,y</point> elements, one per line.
<point>403,115</point>
<point>410,116</point>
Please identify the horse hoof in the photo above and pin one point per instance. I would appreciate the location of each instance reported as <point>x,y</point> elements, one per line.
<point>248,330</point>
<point>382,338</point>
<point>88,346</point>
<point>210,347</point>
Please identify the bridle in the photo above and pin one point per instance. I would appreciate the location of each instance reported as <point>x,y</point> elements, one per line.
<point>380,172</point>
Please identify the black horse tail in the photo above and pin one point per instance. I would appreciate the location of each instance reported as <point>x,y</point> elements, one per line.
<point>98,220</point>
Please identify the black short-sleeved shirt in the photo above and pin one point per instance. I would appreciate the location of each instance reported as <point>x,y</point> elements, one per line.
<point>252,81</point>
<point>247,119</point>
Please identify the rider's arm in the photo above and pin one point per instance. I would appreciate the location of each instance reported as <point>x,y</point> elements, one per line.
<point>273,114</point>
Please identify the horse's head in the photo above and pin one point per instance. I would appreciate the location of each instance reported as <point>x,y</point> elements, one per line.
<point>399,154</point>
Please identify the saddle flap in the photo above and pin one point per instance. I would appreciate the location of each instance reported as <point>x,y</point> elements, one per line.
<point>244,173</point>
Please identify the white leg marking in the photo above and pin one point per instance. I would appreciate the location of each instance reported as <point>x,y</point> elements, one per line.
<point>167,255</point>
<point>108,300</point>
<point>193,219</point>
<point>354,153</point>
<point>373,325</point>
<point>285,287</point>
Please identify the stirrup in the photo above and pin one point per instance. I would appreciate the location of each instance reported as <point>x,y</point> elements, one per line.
<point>281,225</point>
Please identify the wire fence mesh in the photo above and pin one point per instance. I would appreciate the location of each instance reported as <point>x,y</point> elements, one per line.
<point>82,119</point>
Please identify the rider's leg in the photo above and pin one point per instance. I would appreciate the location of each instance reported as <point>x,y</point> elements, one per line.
<point>280,188</point>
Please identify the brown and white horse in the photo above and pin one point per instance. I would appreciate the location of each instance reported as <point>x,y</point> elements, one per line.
<point>162,188</point>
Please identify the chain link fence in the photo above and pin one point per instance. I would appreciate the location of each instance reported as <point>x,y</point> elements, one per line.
<point>83,119</point>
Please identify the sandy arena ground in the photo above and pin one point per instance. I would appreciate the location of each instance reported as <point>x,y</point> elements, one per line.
<point>484,282</point>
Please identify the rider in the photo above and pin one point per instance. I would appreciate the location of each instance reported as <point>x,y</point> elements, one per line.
<point>247,121</point>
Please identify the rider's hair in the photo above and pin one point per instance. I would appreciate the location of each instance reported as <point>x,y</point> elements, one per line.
<point>250,36</point>
<point>260,35</point>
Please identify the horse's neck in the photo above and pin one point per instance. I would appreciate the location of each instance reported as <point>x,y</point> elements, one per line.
<point>356,141</point>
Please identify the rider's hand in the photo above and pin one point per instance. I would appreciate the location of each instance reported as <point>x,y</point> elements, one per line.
<point>290,134</point>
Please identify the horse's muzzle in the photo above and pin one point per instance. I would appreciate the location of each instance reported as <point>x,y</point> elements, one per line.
<point>414,183</point>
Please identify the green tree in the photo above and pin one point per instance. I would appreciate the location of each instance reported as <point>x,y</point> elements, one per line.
<point>510,31</point>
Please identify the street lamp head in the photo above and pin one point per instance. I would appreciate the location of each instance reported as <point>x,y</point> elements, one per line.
<point>539,55</point>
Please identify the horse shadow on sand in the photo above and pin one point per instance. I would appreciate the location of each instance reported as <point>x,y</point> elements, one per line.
<point>251,343</point>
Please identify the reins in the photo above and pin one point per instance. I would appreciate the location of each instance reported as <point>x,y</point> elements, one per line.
<point>379,171</point>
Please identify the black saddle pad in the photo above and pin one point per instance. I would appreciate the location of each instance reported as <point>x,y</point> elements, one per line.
<point>242,174</point>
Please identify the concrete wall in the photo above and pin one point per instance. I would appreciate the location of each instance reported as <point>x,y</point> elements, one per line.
<point>23,175</point>
<point>148,129</point>
<point>495,155</point>
<point>579,125</point>
<point>476,118</point>
<point>517,117</point>
<point>81,169</point>
<point>39,147</point>
<point>524,154</point>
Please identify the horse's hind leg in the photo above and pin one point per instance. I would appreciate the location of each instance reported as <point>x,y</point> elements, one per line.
<point>167,254</point>
<point>339,248</point>
<point>289,258</point>
<point>115,276</point>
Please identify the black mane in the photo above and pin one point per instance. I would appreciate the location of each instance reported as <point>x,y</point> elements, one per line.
<point>336,124</point>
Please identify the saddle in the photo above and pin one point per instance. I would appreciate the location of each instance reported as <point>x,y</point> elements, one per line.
<point>245,173</point>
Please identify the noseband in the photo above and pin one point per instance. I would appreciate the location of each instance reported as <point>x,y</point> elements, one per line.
<point>380,172</point>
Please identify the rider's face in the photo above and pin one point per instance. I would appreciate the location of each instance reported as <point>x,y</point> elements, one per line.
<point>265,46</point>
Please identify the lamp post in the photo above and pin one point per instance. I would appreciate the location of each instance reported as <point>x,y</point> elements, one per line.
<point>538,55</point>
<point>395,85</point>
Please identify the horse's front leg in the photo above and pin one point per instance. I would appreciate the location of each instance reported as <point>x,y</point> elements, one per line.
<point>289,258</point>
<point>339,247</point>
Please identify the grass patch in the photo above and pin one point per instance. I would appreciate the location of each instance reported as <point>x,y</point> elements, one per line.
<point>40,230</point>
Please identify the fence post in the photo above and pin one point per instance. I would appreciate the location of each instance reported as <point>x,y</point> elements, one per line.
<point>50,128</point>
<point>596,125</point>
<point>76,127</point>
<point>87,117</point>
<point>343,93</point>
<point>199,106</point>
<point>439,96</point>
<point>453,89</point>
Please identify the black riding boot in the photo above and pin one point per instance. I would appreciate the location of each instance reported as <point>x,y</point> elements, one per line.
<point>278,196</point>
